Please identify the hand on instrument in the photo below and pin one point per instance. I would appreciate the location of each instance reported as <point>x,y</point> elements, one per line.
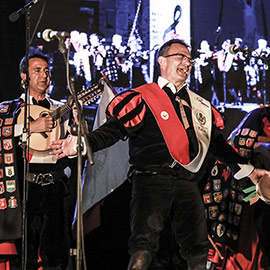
<point>42,124</point>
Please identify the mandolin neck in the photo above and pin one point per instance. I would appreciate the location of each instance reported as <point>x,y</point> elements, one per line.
<point>60,111</point>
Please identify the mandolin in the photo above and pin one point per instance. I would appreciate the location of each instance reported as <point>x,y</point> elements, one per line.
<point>40,141</point>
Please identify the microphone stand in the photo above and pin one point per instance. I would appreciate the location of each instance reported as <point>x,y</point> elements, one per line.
<point>26,128</point>
<point>81,131</point>
<point>25,138</point>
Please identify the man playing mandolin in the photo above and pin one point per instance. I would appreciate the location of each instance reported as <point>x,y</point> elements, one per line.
<point>48,204</point>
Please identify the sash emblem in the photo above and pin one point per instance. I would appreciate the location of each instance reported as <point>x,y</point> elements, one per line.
<point>201,117</point>
<point>164,115</point>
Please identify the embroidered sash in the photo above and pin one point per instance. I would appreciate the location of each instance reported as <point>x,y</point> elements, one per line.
<point>10,202</point>
<point>172,129</point>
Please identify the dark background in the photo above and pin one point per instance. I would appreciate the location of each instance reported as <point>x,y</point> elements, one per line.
<point>248,19</point>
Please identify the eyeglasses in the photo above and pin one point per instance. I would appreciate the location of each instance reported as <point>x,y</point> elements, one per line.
<point>182,57</point>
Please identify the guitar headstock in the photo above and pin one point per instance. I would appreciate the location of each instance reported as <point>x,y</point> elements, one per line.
<point>90,94</point>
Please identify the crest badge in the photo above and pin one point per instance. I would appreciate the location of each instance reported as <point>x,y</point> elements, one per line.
<point>9,158</point>
<point>3,108</point>
<point>7,131</point>
<point>3,203</point>
<point>216,184</point>
<point>10,171</point>
<point>12,202</point>
<point>11,185</point>
<point>201,117</point>
<point>7,144</point>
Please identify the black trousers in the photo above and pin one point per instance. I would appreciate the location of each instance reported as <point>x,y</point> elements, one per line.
<point>48,232</point>
<point>159,198</point>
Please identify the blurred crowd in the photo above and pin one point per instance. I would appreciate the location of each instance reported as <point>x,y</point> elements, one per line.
<point>233,74</point>
<point>91,57</point>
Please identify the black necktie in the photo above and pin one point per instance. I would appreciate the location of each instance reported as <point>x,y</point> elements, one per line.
<point>43,103</point>
<point>182,103</point>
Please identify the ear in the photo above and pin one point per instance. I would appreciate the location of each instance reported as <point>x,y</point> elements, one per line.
<point>23,76</point>
<point>161,61</point>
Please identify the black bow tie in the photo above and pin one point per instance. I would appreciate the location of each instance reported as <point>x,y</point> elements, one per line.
<point>43,103</point>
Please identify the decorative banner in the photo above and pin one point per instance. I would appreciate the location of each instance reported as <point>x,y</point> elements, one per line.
<point>171,15</point>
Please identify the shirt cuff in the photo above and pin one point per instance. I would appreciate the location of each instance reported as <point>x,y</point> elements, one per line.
<point>245,170</point>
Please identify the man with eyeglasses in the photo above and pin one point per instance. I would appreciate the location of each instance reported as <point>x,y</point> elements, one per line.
<point>174,139</point>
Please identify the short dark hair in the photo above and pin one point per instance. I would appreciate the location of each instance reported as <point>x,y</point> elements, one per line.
<point>34,54</point>
<point>166,46</point>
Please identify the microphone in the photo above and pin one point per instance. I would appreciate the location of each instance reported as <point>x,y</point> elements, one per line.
<point>234,49</point>
<point>13,17</point>
<point>48,35</point>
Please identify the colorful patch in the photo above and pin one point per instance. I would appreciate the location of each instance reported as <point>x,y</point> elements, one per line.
<point>207,187</point>
<point>3,203</point>
<point>207,198</point>
<point>216,184</point>
<point>245,131</point>
<point>11,186</point>
<point>250,142</point>
<point>242,141</point>
<point>2,187</point>
<point>7,131</point>
<point>221,228</point>
<point>233,194</point>
<point>12,202</point>
<point>222,217</point>
<point>3,108</point>
<point>1,173</point>
<point>240,197</point>
<point>217,197</point>
<point>7,144</point>
<point>238,208</point>
<point>253,133</point>
<point>235,236</point>
<point>213,212</point>
<point>214,171</point>
<point>9,158</point>
<point>244,152</point>
<point>10,171</point>
<point>8,121</point>
<point>229,233</point>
